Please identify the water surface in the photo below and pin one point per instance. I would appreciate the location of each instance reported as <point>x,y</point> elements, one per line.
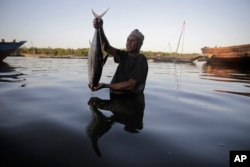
<point>189,115</point>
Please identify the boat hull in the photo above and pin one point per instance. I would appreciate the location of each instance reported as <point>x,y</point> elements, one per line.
<point>7,48</point>
<point>231,54</point>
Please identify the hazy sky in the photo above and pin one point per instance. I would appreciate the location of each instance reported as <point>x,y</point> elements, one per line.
<point>68,23</point>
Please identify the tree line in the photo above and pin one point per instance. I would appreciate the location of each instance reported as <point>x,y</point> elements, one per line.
<point>84,52</point>
<point>54,51</point>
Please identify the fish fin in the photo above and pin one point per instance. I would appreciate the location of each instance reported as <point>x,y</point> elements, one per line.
<point>105,59</point>
<point>103,46</point>
<point>99,16</point>
<point>103,53</point>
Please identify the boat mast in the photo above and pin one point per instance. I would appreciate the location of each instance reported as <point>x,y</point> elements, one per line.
<point>180,36</point>
<point>32,48</point>
<point>178,78</point>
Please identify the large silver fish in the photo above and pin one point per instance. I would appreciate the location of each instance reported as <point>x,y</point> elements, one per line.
<point>95,56</point>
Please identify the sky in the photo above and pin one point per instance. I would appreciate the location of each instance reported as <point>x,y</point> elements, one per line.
<point>68,23</point>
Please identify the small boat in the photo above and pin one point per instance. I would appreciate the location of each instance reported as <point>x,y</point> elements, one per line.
<point>229,54</point>
<point>7,48</point>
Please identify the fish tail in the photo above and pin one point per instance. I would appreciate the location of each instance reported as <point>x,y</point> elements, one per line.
<point>101,15</point>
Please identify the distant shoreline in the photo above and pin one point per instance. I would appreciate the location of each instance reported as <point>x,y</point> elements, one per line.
<point>179,58</point>
<point>49,56</point>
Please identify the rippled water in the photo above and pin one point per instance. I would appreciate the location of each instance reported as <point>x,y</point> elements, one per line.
<point>189,115</point>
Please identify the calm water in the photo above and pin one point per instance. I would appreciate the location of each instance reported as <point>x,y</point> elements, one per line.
<point>189,115</point>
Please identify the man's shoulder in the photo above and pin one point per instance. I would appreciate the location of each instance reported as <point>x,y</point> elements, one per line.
<point>142,57</point>
<point>120,52</point>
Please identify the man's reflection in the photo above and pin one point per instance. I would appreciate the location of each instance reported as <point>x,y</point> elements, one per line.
<point>126,109</point>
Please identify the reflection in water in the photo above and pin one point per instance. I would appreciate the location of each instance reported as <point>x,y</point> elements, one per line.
<point>5,67</point>
<point>126,110</point>
<point>37,129</point>
<point>8,73</point>
<point>232,92</point>
<point>228,73</point>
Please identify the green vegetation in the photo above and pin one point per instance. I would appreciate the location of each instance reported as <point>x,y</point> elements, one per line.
<point>84,52</point>
<point>54,51</point>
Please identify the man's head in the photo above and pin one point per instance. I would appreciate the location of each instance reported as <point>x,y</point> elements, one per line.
<point>134,41</point>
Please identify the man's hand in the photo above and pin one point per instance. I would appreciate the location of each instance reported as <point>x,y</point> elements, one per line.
<point>97,23</point>
<point>96,88</point>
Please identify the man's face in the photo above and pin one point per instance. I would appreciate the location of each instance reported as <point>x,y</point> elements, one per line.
<point>133,43</point>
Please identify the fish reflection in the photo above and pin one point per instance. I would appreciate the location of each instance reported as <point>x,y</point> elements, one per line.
<point>126,110</point>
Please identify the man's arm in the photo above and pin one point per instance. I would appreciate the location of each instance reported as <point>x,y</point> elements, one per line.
<point>98,24</point>
<point>125,85</point>
<point>122,86</point>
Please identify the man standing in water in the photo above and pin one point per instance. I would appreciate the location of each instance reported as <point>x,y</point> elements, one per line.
<point>131,73</point>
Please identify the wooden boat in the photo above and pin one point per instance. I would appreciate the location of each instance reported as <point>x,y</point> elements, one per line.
<point>229,54</point>
<point>174,59</point>
<point>7,48</point>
